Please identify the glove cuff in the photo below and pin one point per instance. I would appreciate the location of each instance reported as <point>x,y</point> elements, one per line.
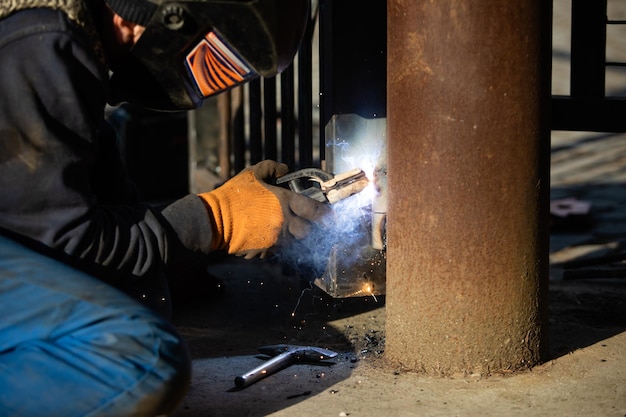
<point>212,202</point>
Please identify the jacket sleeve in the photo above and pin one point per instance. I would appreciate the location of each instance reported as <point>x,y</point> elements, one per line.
<point>55,160</point>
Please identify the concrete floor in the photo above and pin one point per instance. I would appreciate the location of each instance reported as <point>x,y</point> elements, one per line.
<point>586,375</point>
<point>261,303</point>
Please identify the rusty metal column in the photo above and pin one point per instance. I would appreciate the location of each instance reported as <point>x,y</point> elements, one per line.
<point>468,160</point>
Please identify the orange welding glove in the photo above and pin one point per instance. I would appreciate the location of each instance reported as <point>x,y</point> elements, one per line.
<point>249,215</point>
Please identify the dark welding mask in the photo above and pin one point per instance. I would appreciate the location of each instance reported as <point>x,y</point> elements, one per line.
<point>193,49</point>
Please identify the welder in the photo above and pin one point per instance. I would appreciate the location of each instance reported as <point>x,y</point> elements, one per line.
<point>85,266</point>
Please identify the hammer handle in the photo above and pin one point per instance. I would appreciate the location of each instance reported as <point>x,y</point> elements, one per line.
<point>268,367</point>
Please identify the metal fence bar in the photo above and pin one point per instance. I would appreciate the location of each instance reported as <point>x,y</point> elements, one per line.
<point>305,100</point>
<point>239,134</point>
<point>588,48</point>
<point>256,135</point>
<point>270,118</point>
<point>287,117</point>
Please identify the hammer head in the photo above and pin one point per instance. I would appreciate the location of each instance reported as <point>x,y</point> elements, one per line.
<point>301,353</point>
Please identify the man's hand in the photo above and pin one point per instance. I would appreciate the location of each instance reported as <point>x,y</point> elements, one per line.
<point>249,215</point>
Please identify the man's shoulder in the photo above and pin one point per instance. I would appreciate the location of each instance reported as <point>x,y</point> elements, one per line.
<point>76,10</point>
<point>34,22</point>
<point>39,28</point>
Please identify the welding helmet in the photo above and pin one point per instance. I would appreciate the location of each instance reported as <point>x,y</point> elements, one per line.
<point>193,49</point>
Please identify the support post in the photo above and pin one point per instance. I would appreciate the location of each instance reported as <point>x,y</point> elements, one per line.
<point>468,173</point>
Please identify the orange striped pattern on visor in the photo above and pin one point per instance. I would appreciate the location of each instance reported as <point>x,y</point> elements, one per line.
<point>214,67</point>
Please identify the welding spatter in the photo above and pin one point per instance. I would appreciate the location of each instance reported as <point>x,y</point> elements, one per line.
<point>281,357</point>
<point>325,187</point>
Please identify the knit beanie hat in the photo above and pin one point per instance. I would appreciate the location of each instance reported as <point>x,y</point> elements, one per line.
<point>136,11</point>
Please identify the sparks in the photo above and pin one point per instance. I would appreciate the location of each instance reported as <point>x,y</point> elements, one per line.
<point>293,313</point>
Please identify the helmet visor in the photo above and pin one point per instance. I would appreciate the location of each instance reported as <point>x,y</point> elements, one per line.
<point>214,67</point>
<point>191,50</point>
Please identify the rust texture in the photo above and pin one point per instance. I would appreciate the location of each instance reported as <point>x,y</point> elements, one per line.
<point>468,171</point>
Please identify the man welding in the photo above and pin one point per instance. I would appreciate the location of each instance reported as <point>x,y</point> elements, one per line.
<point>84,265</point>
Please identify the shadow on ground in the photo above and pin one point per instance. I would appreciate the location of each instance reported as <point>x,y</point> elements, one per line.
<point>588,269</point>
<point>259,303</point>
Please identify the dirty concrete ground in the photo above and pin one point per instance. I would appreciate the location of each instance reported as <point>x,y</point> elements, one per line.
<point>262,303</point>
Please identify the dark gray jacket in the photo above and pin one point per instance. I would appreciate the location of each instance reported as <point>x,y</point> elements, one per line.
<point>62,185</point>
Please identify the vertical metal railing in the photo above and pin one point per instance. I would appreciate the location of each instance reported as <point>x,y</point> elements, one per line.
<point>588,55</point>
<point>274,118</point>
<point>616,22</point>
<point>588,108</point>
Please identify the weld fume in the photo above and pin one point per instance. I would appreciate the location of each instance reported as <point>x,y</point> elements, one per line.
<point>348,225</point>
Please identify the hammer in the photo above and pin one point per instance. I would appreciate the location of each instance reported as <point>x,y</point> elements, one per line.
<point>281,357</point>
